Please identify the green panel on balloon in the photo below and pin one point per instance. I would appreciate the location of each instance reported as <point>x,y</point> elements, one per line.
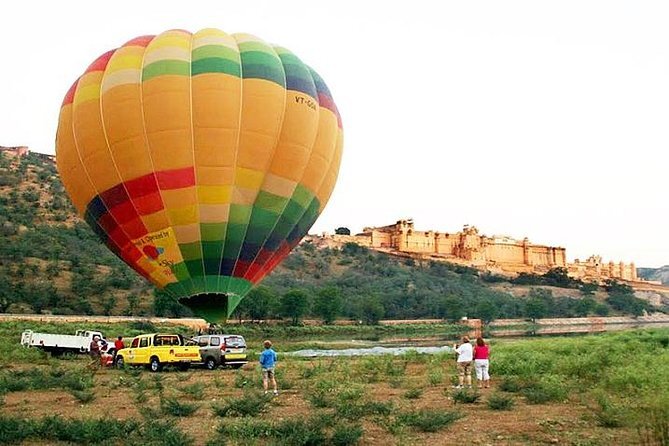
<point>216,307</point>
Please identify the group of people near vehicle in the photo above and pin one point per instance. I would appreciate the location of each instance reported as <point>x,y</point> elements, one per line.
<point>99,352</point>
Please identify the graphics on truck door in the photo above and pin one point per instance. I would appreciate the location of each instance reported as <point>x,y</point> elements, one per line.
<point>138,350</point>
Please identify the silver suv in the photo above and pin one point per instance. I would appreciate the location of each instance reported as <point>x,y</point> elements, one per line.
<point>222,349</point>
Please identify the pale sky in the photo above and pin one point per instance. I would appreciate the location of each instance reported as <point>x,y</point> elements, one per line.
<point>528,118</point>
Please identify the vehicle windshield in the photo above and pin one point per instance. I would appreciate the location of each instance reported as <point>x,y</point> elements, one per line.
<point>234,341</point>
<point>166,340</point>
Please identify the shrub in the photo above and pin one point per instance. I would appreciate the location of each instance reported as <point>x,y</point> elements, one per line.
<point>353,411</point>
<point>251,404</point>
<point>550,388</point>
<point>654,429</point>
<point>346,434</point>
<point>510,384</point>
<point>195,390</point>
<point>246,429</point>
<point>428,420</point>
<point>466,396</point>
<point>83,396</point>
<point>497,401</point>
<point>435,377</point>
<point>300,431</point>
<point>172,406</point>
<point>159,433</point>
<point>413,394</point>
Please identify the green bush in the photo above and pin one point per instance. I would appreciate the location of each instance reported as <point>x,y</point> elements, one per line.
<point>354,411</point>
<point>83,396</point>
<point>467,396</point>
<point>346,434</point>
<point>249,405</point>
<point>172,406</point>
<point>545,391</point>
<point>498,401</point>
<point>428,420</point>
<point>654,428</point>
<point>195,390</point>
<point>413,394</point>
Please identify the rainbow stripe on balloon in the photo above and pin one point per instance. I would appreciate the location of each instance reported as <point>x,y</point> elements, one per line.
<point>200,159</point>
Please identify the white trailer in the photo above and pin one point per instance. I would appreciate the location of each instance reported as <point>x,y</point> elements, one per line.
<point>57,344</point>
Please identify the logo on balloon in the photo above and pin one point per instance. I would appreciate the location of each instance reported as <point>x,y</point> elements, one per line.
<point>152,251</point>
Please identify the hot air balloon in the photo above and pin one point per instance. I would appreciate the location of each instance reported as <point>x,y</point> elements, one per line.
<point>201,160</point>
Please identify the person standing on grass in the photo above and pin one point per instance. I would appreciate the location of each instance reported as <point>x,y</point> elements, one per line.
<point>464,362</point>
<point>94,351</point>
<point>267,363</point>
<point>482,363</point>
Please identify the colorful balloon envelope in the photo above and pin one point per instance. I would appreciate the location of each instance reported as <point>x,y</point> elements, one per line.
<point>201,159</point>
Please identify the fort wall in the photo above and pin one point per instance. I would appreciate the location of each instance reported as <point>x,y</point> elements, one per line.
<point>497,253</point>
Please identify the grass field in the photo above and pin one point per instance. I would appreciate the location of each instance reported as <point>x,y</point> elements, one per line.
<point>606,389</point>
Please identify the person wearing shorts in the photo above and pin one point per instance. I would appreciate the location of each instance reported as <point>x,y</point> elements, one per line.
<point>267,363</point>
<point>481,363</point>
<point>464,363</point>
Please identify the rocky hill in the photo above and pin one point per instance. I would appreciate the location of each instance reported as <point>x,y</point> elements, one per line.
<point>51,262</point>
<point>661,274</point>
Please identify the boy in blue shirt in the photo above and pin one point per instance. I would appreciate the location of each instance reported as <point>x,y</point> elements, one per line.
<point>267,362</point>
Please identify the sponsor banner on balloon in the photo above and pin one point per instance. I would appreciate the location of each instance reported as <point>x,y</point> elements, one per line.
<point>162,248</point>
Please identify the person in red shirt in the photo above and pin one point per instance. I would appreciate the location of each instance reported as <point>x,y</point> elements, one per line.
<point>118,345</point>
<point>482,363</point>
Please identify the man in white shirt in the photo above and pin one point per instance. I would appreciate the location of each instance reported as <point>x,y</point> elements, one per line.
<point>465,357</point>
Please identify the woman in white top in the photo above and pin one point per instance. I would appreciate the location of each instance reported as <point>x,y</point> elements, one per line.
<point>465,357</point>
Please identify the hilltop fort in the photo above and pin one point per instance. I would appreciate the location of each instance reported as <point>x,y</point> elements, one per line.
<point>497,254</point>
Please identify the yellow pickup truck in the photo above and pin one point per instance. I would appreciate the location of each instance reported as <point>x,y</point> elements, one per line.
<point>156,350</point>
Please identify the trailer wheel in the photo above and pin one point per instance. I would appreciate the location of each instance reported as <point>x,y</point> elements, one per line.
<point>155,365</point>
<point>210,363</point>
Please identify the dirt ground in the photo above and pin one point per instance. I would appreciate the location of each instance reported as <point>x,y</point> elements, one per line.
<point>567,423</point>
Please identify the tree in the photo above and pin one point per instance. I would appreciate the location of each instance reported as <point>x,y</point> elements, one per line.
<point>452,308</point>
<point>108,305</point>
<point>328,304</point>
<point>342,231</point>
<point>258,303</point>
<point>585,306</point>
<point>535,308</point>
<point>133,303</point>
<point>627,303</point>
<point>294,304</point>
<point>371,310</point>
<point>558,277</point>
<point>589,288</point>
<point>487,311</point>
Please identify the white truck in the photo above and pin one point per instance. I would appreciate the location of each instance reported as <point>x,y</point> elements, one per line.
<point>57,344</point>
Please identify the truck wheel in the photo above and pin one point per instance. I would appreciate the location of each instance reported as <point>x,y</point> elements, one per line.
<point>120,363</point>
<point>155,365</point>
<point>210,363</point>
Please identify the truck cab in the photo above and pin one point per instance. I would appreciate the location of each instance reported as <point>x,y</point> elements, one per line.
<point>156,350</point>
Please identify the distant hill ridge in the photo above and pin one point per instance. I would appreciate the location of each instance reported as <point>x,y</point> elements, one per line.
<point>52,262</point>
<point>661,274</point>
